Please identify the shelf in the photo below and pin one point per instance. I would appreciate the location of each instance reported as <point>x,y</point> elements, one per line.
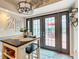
<point>8,56</point>
<point>9,52</point>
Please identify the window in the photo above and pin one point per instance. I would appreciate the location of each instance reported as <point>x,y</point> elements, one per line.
<point>36,27</point>
<point>28,26</point>
<point>50,31</point>
<point>64,32</point>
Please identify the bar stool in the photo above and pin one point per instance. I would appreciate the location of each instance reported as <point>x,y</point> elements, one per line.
<point>30,49</point>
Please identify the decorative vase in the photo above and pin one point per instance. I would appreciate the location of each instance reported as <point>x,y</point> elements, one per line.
<point>25,34</point>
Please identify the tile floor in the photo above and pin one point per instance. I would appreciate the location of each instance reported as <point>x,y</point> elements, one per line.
<point>46,54</point>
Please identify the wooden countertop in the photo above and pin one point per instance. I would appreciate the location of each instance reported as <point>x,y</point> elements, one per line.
<point>17,42</point>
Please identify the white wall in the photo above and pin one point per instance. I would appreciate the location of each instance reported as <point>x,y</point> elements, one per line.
<point>74,37</point>
<point>10,24</point>
<point>76,43</point>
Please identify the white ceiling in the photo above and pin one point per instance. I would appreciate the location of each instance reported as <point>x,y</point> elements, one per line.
<point>51,8</point>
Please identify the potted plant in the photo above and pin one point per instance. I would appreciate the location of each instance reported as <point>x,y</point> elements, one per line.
<point>24,30</point>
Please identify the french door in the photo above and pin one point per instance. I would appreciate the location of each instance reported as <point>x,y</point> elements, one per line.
<point>53,31</point>
<point>56,32</point>
<point>49,33</point>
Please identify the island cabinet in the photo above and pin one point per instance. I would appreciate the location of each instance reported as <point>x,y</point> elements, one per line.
<point>16,49</point>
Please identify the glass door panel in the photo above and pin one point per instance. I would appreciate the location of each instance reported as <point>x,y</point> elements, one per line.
<point>50,31</point>
<point>28,26</point>
<point>36,27</point>
<point>65,42</point>
<point>64,45</point>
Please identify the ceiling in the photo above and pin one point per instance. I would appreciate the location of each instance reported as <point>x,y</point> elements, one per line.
<point>47,7</point>
<point>35,3</point>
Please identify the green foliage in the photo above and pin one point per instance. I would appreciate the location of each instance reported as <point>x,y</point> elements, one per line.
<point>23,29</point>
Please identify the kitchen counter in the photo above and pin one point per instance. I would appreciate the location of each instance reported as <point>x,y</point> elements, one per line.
<point>17,42</point>
<point>15,48</point>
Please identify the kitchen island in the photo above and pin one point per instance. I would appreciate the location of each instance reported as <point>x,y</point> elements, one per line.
<point>16,48</point>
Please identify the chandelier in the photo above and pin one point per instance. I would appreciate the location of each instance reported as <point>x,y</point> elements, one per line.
<point>24,7</point>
